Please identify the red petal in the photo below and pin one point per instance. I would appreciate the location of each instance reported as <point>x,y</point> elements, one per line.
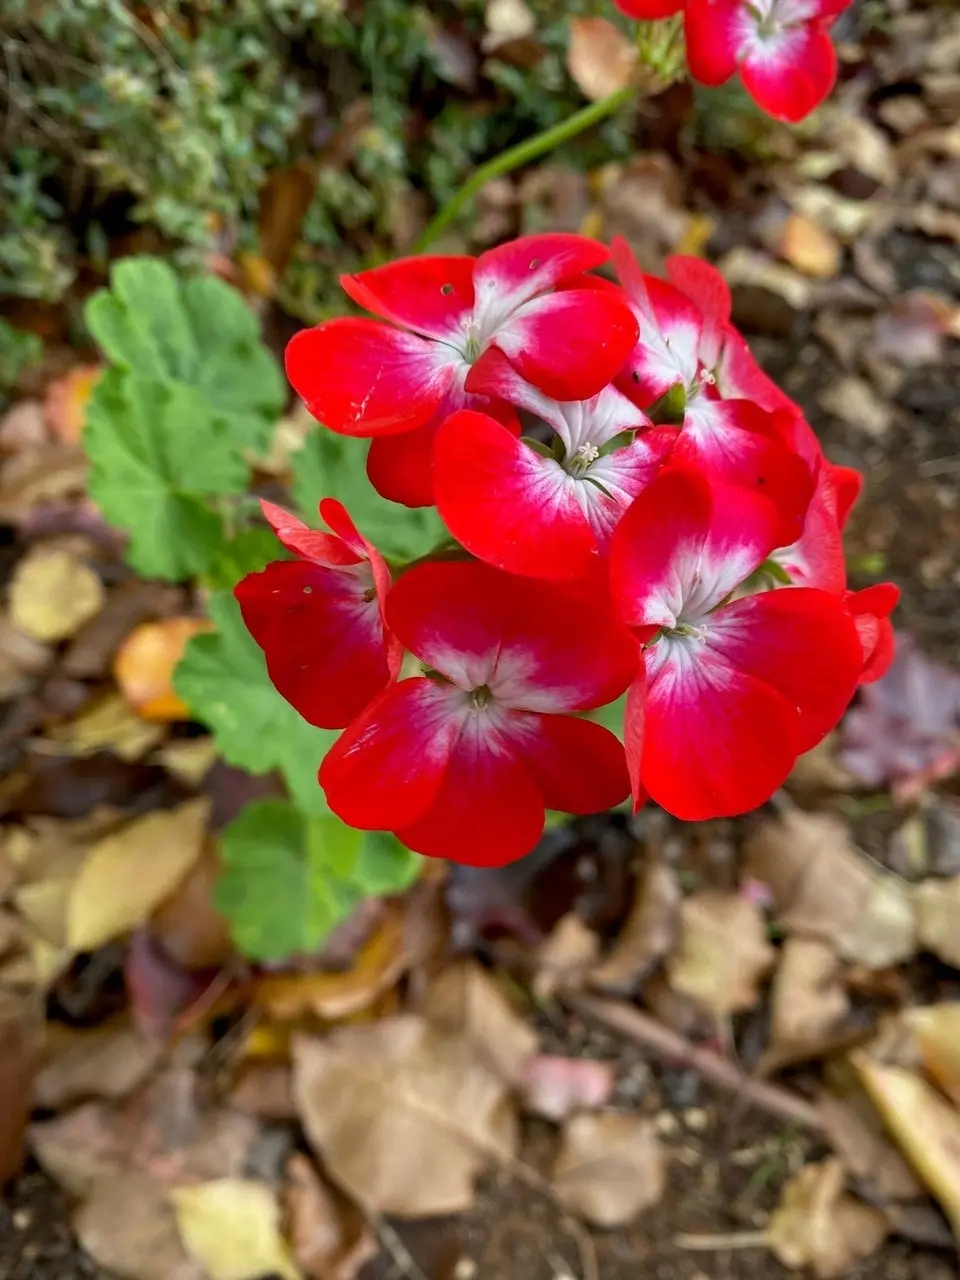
<point>802,642</point>
<point>301,540</point>
<point>671,332</point>
<point>538,646</point>
<point>712,39</point>
<point>515,272</point>
<point>578,766</point>
<point>324,645</point>
<point>649,10</point>
<point>400,468</point>
<point>508,505</point>
<point>570,344</point>
<point>432,294</point>
<point>634,725</point>
<point>791,85</point>
<point>385,769</point>
<point>362,378</point>
<point>847,486</point>
<point>740,377</point>
<point>816,558</point>
<point>871,609</point>
<point>337,518</point>
<point>487,811</point>
<point>702,283</point>
<point>717,742</point>
<point>683,545</point>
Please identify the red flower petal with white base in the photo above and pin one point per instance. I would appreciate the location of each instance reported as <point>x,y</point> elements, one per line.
<point>715,741</point>
<point>713,38</point>
<point>671,331</point>
<point>386,768</point>
<point>792,77</point>
<point>506,277</point>
<point>816,558</point>
<point>705,286</point>
<point>362,378</point>
<point>432,295</point>
<point>684,545</point>
<point>323,640</point>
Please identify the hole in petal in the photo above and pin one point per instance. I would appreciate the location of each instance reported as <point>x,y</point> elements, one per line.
<point>534,263</point>
<point>446,289</point>
<point>308,591</point>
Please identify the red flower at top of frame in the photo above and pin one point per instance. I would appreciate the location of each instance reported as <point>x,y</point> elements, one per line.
<point>730,693</point>
<point>462,761</point>
<point>649,10</point>
<point>782,49</point>
<point>525,299</point>
<point>319,618</point>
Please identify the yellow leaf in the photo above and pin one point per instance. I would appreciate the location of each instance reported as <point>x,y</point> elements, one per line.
<point>53,593</point>
<point>109,725</point>
<point>127,875</point>
<point>145,662</point>
<point>937,1029</point>
<point>232,1227</point>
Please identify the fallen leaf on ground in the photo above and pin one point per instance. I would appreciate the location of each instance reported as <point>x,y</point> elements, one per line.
<point>610,1167</point>
<point>265,1089</point>
<point>465,1001</point>
<point>109,725</point>
<point>129,874</point>
<point>22,659</point>
<point>109,1061</point>
<point>819,1225</point>
<point>232,1227</point>
<point>937,1031</point>
<point>37,476</point>
<point>809,1000</point>
<point>818,879</point>
<point>723,953</point>
<point>937,905</point>
<point>600,58</point>
<point>884,932</point>
<point>403,1116</point>
<point>23,427</point>
<point>854,1130</point>
<point>53,593</point>
<point>555,1087</point>
<point>65,404</point>
<point>145,663</point>
<point>564,958</point>
<point>188,759</point>
<point>925,1126</point>
<point>329,1237</point>
<point>128,1227</point>
<point>506,21</point>
<point>855,403</point>
<point>188,926</point>
<point>648,934</point>
<point>19,1056</point>
<point>810,248</point>
<point>912,330</point>
<point>91,651</point>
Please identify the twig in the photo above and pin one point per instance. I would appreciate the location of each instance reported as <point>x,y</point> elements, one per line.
<point>723,1240</point>
<point>669,1044</point>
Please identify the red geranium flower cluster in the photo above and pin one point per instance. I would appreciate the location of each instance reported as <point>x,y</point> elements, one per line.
<point>782,48</point>
<point>667,527</point>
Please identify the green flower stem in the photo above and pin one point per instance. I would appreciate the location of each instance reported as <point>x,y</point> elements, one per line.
<point>539,145</point>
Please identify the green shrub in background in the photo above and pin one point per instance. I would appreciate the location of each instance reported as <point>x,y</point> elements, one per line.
<point>173,116</point>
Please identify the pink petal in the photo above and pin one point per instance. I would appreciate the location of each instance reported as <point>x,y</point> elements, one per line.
<point>487,810</point>
<point>362,378</point>
<point>578,766</point>
<point>716,741</point>
<point>386,768</point>
<point>324,643</point>
<point>432,294</point>
<point>801,642</point>
<point>513,273</point>
<point>684,544</point>
<point>301,540</point>
<point>569,344</point>
<point>508,505</point>
<point>713,39</point>
<point>789,83</point>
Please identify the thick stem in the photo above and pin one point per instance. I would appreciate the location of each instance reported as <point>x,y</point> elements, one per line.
<point>540,144</point>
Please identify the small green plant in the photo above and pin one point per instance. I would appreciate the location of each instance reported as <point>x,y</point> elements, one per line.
<point>189,394</point>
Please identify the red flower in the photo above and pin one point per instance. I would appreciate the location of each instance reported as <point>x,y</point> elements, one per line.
<point>677,354</point>
<point>871,609</point>
<point>730,693</point>
<point>781,48</point>
<point>462,761</point>
<point>649,10</point>
<point>319,620</point>
<point>547,511</point>
<point>364,378</point>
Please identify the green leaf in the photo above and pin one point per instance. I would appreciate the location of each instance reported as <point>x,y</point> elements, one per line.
<point>156,450</point>
<point>610,716</point>
<point>249,552</point>
<point>223,679</point>
<point>199,333</point>
<point>329,465</point>
<point>288,880</point>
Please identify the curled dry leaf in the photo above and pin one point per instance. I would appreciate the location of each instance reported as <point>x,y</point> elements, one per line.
<point>600,58</point>
<point>564,958</point>
<point>610,1167</point>
<point>936,1028</point>
<point>937,905</point>
<point>403,1115</point>
<point>232,1227</point>
<point>65,404</point>
<point>555,1087</point>
<point>127,875</point>
<point>465,1001</point>
<point>330,1238</point>
<point>819,1225</point>
<point>188,926</point>
<point>723,953</point>
<point>809,999</point>
<point>97,1062</point>
<point>648,934</point>
<point>53,592</point>
<point>145,663</point>
<point>109,725</point>
<point>853,1129</point>
<point>885,931</point>
<point>818,879</point>
<point>925,1126</point>
<point>128,1227</point>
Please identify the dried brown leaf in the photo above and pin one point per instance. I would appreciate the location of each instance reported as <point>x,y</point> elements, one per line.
<point>330,1239</point>
<point>19,1056</point>
<point>885,932</point>
<point>856,1134</point>
<point>188,926</point>
<point>24,427</point>
<point>465,1001</point>
<point>610,1167</point>
<point>34,477</point>
<point>937,904</point>
<point>22,659</point>
<point>600,58</point>
<point>820,1226</point>
<point>232,1228</point>
<point>507,21</point>
<point>809,1000</point>
<point>53,592</point>
<point>809,248</point>
<point>265,1089</point>
<point>128,1227</point>
<point>404,1116</point>
<point>648,934</point>
<point>723,952</point>
<point>564,958</point>
<point>97,1062</point>
<point>936,1028</point>
<point>855,403</point>
<point>108,725</point>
